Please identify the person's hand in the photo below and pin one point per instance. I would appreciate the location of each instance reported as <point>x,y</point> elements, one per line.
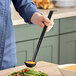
<point>42,20</point>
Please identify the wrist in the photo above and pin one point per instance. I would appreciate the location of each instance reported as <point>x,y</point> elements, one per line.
<point>34,16</point>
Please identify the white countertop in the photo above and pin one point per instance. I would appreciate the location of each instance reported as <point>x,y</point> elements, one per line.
<point>59,13</point>
<point>48,68</point>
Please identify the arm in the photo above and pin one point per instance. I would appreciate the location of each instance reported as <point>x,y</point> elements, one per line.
<point>26,9</point>
<point>29,13</point>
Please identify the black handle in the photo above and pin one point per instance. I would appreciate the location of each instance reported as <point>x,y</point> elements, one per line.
<point>41,38</point>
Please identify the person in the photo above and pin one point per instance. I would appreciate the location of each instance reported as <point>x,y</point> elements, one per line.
<point>30,14</point>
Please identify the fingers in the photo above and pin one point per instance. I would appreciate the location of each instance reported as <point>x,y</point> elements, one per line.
<point>47,21</point>
<point>48,28</point>
<point>41,24</point>
<point>52,21</point>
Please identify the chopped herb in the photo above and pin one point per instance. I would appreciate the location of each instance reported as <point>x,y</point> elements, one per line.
<point>28,72</point>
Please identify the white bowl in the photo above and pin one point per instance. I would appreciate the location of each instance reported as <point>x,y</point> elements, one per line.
<point>65,3</point>
<point>66,72</point>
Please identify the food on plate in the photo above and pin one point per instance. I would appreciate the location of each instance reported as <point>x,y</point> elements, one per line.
<point>71,68</point>
<point>30,62</point>
<point>28,72</point>
<point>44,4</point>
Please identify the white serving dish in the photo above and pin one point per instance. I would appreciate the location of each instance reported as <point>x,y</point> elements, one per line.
<point>66,72</point>
<point>65,3</point>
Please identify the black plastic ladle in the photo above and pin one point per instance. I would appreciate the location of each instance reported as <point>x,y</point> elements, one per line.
<point>32,63</point>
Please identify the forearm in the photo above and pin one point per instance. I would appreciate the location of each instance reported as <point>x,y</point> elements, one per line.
<point>26,9</point>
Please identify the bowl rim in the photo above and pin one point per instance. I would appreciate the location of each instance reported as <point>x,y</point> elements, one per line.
<point>64,65</point>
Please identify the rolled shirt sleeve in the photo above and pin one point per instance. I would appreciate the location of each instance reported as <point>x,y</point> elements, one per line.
<point>26,9</point>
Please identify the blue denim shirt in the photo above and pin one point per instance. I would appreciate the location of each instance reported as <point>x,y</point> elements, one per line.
<point>26,9</point>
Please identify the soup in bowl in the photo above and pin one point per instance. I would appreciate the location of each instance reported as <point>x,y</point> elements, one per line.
<point>67,69</point>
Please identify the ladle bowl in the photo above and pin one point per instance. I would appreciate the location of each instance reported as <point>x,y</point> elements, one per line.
<point>30,63</point>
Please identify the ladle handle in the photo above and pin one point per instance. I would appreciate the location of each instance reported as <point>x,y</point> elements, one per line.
<point>41,38</point>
